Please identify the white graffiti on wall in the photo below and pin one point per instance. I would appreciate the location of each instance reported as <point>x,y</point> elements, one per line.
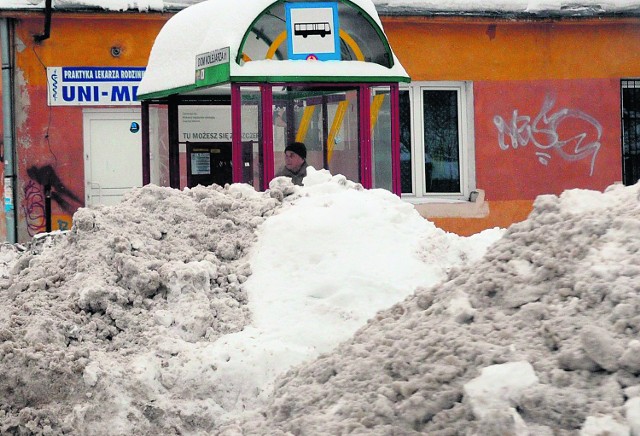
<point>543,133</point>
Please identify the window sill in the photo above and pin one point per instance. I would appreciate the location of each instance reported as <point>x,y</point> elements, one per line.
<point>449,208</point>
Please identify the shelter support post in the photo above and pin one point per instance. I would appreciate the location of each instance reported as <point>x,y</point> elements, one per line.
<point>236,133</point>
<point>395,140</point>
<point>365,137</point>
<point>146,153</point>
<point>267,132</point>
<point>174,144</point>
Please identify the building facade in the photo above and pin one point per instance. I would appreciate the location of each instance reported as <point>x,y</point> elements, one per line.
<point>501,108</point>
<point>73,113</point>
<point>525,105</point>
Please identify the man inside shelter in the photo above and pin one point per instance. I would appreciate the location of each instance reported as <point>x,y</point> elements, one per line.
<point>295,163</point>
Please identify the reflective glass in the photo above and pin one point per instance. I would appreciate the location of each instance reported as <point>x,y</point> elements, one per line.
<point>325,120</point>
<point>359,40</point>
<point>159,144</point>
<point>251,131</point>
<point>441,141</point>
<point>381,137</point>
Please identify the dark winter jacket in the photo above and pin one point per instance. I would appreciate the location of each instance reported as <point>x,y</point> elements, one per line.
<point>296,177</point>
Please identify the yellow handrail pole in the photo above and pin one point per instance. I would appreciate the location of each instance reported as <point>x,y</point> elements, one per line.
<point>375,109</point>
<point>335,127</point>
<point>275,44</point>
<point>351,43</point>
<point>304,123</point>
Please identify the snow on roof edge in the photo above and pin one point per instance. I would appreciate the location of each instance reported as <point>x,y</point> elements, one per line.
<point>531,9</point>
<point>586,12</point>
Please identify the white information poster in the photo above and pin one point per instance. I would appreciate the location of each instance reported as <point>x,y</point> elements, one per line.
<point>200,123</point>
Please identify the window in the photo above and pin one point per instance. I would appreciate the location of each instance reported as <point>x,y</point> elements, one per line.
<point>437,158</point>
<point>630,131</point>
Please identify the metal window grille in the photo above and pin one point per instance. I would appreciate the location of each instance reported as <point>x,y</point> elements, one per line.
<point>441,140</point>
<point>630,131</point>
<point>406,159</point>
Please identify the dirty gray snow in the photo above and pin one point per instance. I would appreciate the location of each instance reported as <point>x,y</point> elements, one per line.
<point>326,309</point>
<point>539,338</point>
<point>173,312</point>
<point>77,317</point>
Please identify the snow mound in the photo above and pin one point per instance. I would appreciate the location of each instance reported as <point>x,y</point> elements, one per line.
<point>539,337</point>
<point>80,314</point>
<point>173,312</point>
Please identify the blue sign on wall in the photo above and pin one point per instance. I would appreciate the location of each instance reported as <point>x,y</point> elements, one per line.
<point>93,86</point>
<point>313,31</point>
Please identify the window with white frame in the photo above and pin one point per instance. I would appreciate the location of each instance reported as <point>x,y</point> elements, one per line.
<point>436,140</point>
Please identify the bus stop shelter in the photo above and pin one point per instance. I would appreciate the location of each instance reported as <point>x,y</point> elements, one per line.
<point>228,87</point>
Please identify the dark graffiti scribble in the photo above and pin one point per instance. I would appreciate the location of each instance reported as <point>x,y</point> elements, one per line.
<point>33,208</point>
<point>45,184</point>
<point>46,176</point>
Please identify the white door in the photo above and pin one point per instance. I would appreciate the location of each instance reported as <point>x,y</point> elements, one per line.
<point>112,154</point>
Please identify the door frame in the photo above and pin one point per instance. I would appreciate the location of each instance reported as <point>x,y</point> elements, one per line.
<point>123,113</point>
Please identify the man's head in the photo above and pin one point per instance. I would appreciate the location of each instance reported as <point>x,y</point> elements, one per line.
<point>294,156</point>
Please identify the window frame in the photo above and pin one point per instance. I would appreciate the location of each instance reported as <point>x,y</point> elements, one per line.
<point>630,151</point>
<point>466,144</point>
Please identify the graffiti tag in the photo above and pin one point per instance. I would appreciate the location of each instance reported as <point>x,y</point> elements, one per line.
<point>45,183</point>
<point>33,208</point>
<point>543,133</point>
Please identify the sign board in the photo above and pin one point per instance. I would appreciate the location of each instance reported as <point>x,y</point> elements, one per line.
<point>200,123</point>
<point>212,123</point>
<point>213,67</point>
<point>93,86</point>
<point>313,31</point>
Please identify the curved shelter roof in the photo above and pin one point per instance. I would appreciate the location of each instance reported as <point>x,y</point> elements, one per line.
<point>255,33</point>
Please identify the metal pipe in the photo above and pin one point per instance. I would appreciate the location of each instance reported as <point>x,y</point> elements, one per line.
<point>47,24</point>
<point>7,128</point>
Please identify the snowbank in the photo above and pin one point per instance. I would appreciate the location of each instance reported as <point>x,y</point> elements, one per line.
<point>547,343</point>
<point>173,312</point>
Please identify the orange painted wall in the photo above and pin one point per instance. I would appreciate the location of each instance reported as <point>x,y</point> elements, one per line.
<point>542,137</point>
<point>514,66</point>
<point>434,48</point>
<point>556,79</point>
<point>49,140</point>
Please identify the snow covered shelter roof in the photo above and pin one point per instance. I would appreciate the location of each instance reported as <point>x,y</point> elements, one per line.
<point>213,25</point>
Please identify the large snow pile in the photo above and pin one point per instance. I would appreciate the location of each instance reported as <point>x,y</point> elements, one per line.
<point>78,318</point>
<point>173,312</point>
<point>539,338</point>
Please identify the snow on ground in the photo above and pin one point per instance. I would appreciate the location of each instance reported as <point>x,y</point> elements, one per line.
<point>326,309</point>
<point>541,337</point>
<point>173,312</point>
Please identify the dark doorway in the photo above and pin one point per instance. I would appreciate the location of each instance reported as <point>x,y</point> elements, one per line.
<point>209,163</point>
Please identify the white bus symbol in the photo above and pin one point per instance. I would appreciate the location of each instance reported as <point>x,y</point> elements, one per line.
<point>306,29</point>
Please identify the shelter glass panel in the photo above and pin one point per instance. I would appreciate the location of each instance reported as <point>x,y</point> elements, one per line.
<point>360,38</point>
<point>381,137</point>
<point>159,144</point>
<point>251,131</point>
<point>204,133</point>
<point>325,120</point>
